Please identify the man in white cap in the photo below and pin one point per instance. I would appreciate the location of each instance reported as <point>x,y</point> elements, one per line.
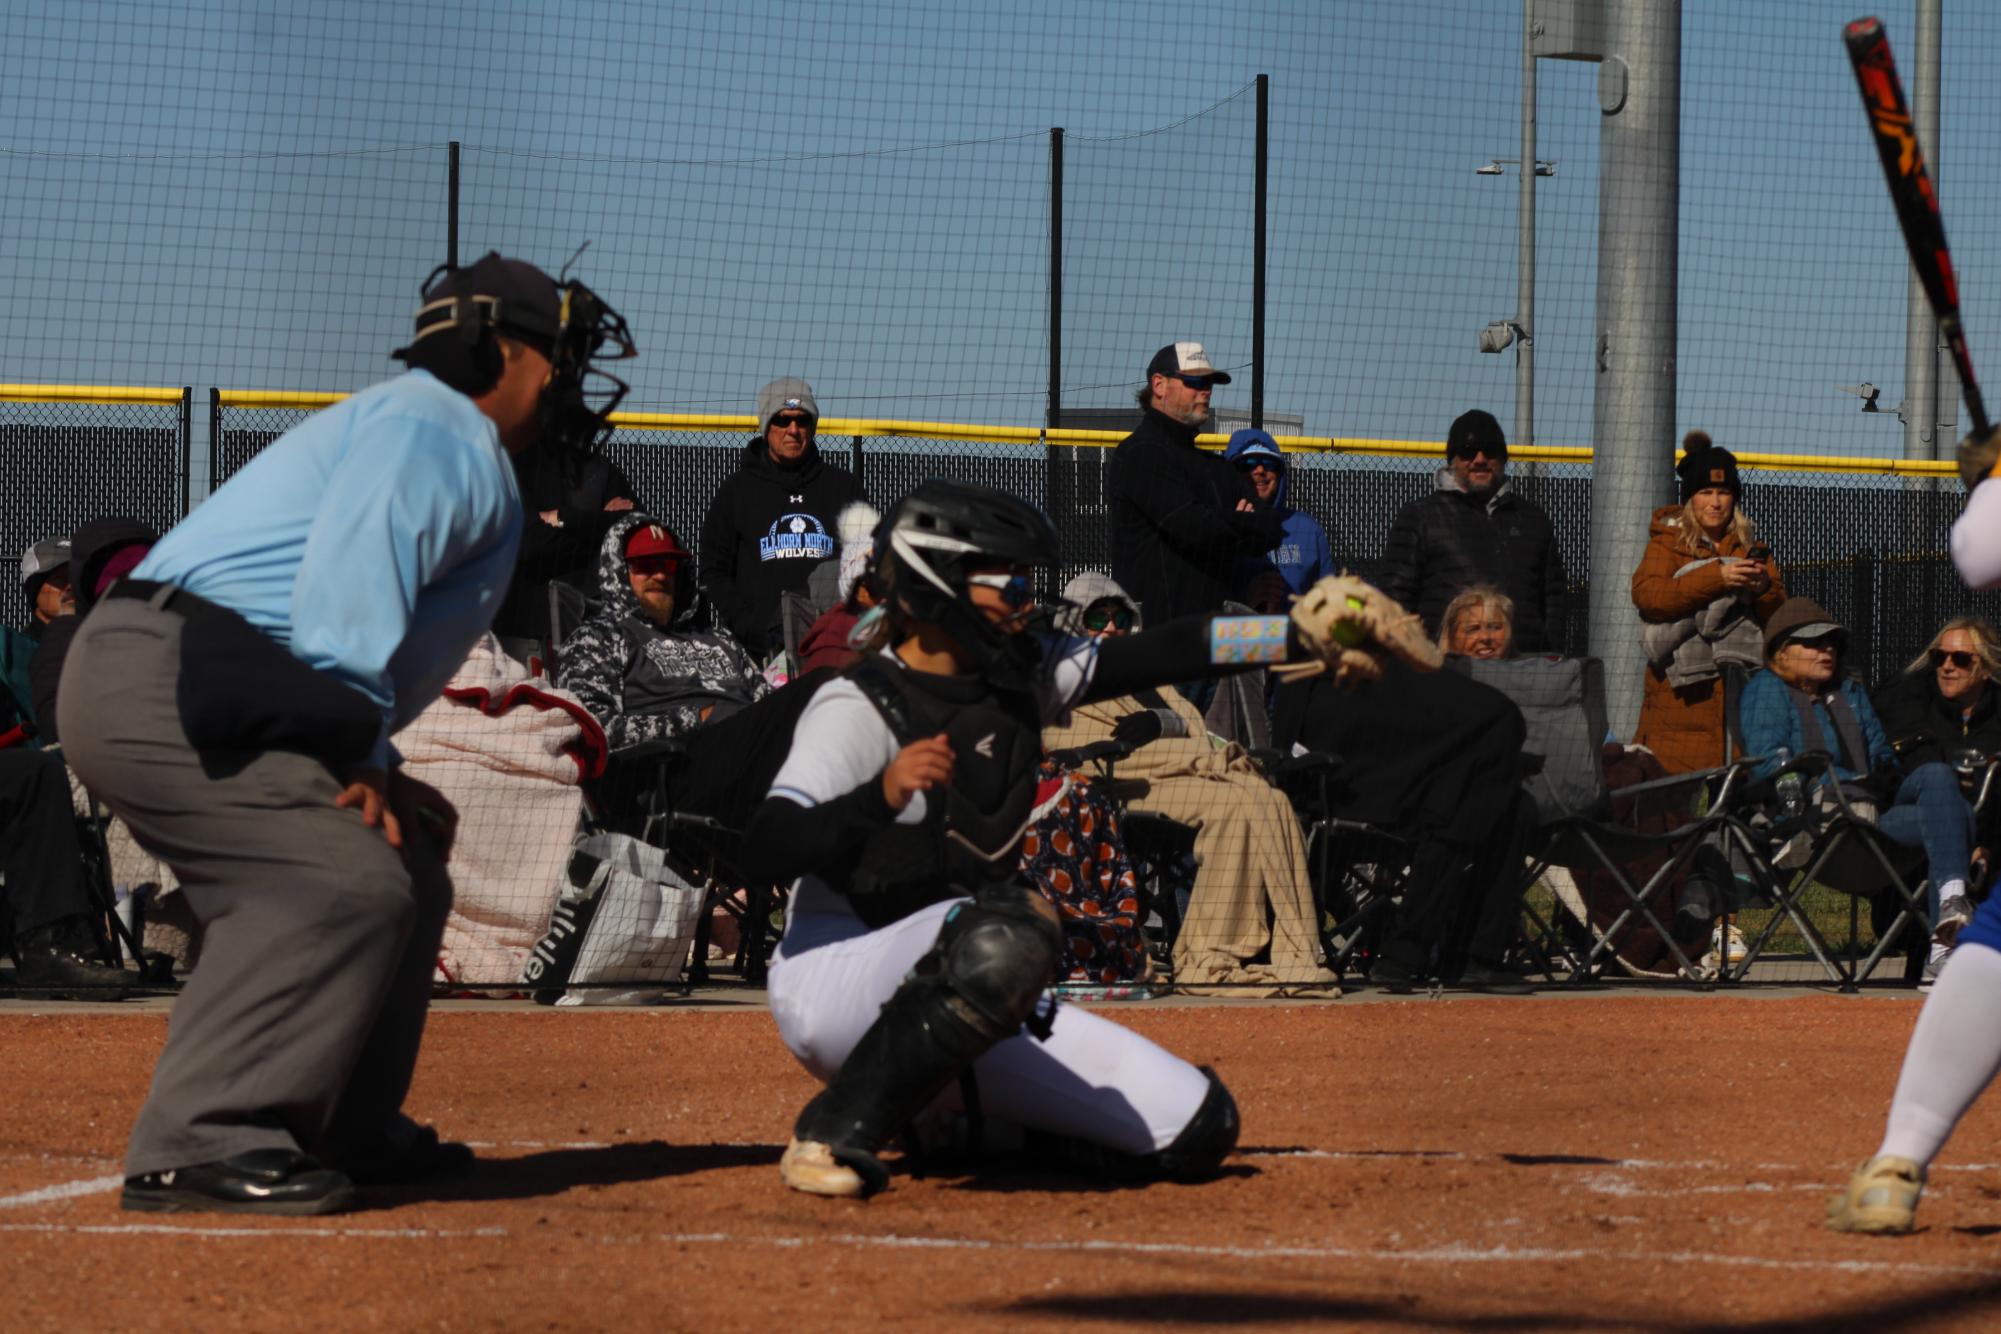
<point>1183,519</point>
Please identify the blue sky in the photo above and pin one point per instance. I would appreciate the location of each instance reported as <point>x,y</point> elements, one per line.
<point>247,195</point>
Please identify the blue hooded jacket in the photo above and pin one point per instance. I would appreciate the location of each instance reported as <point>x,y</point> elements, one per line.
<point>1304,555</point>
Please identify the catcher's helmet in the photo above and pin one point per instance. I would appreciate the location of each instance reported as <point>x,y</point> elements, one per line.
<point>936,535</point>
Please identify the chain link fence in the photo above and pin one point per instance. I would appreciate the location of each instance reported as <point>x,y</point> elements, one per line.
<point>1869,548</point>
<point>75,458</point>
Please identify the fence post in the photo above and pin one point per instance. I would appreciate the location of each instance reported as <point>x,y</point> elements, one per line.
<point>1863,631</point>
<point>1258,257</point>
<point>1057,482</point>
<point>452,205</point>
<point>187,448</point>
<point>855,466</point>
<point>214,437</point>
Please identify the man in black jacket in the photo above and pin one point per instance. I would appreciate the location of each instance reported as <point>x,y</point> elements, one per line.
<point>772,521</point>
<point>1474,529</point>
<point>1182,518</point>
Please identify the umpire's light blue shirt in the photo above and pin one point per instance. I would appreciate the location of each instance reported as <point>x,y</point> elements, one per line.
<point>375,540</point>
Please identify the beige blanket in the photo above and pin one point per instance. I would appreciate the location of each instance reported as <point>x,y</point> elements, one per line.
<point>1252,890</point>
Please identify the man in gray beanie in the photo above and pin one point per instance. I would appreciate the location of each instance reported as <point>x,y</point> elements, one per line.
<point>773,520</point>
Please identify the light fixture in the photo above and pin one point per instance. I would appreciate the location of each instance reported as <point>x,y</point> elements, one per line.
<point>1501,334</point>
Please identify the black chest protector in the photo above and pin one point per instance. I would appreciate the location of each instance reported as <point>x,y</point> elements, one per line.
<point>971,832</point>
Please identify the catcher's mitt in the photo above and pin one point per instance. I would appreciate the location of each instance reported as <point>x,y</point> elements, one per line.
<point>1977,456</point>
<point>1353,628</point>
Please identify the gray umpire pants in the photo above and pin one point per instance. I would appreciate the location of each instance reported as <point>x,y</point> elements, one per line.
<point>300,1025</point>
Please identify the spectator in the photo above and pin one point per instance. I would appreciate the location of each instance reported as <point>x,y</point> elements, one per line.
<point>1254,895</point>
<point>667,692</point>
<point>1943,708</point>
<point>45,582</point>
<point>1473,528</point>
<point>570,497</point>
<point>1436,760</point>
<point>1479,623</point>
<point>102,552</point>
<point>1804,702</point>
<point>1303,556</point>
<point>1702,590</point>
<point>46,902</point>
<point>825,643</point>
<point>773,519</point>
<point>1183,521</point>
<point>1945,702</point>
<point>639,664</point>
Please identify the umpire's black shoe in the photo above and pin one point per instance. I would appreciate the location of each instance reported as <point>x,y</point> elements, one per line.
<point>1495,980</point>
<point>50,962</point>
<point>1394,977</point>
<point>263,1181</point>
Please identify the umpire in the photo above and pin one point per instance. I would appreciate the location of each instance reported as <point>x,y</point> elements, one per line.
<point>232,700</point>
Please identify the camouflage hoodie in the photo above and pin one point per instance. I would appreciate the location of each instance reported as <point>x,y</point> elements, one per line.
<point>644,683</point>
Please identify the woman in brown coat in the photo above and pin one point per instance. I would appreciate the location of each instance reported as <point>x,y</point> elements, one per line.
<point>1702,590</point>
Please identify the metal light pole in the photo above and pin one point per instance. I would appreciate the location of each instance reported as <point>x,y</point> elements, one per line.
<point>1527,170</point>
<point>1922,398</point>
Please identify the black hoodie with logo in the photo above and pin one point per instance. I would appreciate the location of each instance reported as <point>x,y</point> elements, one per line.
<point>768,528</point>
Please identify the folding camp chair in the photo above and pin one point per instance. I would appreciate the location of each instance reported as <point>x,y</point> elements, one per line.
<point>1845,852</point>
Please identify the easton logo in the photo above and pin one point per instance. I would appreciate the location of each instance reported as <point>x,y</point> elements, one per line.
<point>985,745</point>
<point>795,537</point>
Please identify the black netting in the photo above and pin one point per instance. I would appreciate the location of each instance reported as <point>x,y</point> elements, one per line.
<point>69,462</point>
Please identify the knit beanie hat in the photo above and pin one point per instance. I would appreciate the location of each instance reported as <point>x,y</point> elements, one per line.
<point>1705,465</point>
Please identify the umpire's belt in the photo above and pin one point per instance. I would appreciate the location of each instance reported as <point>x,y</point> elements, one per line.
<point>241,690</point>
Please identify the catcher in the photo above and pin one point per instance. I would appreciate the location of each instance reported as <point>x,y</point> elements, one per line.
<point>912,971</point>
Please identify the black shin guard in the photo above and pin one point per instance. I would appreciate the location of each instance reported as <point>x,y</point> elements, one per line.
<point>975,987</point>
<point>1195,1155</point>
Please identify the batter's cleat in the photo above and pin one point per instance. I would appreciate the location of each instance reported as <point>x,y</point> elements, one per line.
<point>812,1167</point>
<point>1882,1197</point>
<point>263,1181</point>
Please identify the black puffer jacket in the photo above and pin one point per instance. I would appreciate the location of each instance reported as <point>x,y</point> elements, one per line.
<point>575,485</point>
<point>1924,728</point>
<point>767,529</point>
<point>1178,538</point>
<point>1450,540</point>
<point>91,549</point>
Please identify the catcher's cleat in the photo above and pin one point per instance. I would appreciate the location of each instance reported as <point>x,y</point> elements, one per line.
<point>1882,1197</point>
<point>812,1167</point>
<point>1353,628</point>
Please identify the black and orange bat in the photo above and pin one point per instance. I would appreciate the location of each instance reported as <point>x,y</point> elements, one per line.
<point>1911,191</point>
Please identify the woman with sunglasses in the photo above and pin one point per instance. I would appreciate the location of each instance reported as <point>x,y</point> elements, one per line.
<point>912,974</point>
<point>1945,707</point>
<point>1805,702</point>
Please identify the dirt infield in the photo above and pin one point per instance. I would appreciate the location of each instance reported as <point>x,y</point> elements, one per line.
<point>1651,1162</point>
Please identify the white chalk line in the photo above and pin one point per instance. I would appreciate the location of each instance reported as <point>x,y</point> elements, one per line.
<point>1456,1254</point>
<point>268,1232</point>
<point>64,1191</point>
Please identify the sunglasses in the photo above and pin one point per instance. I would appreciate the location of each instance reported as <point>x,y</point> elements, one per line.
<point>1108,616</point>
<point>1480,451</point>
<point>1830,642</point>
<point>1959,658</point>
<point>653,564</point>
<point>795,422</point>
<point>1196,382</point>
<point>1254,464</point>
<point>1015,589</point>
